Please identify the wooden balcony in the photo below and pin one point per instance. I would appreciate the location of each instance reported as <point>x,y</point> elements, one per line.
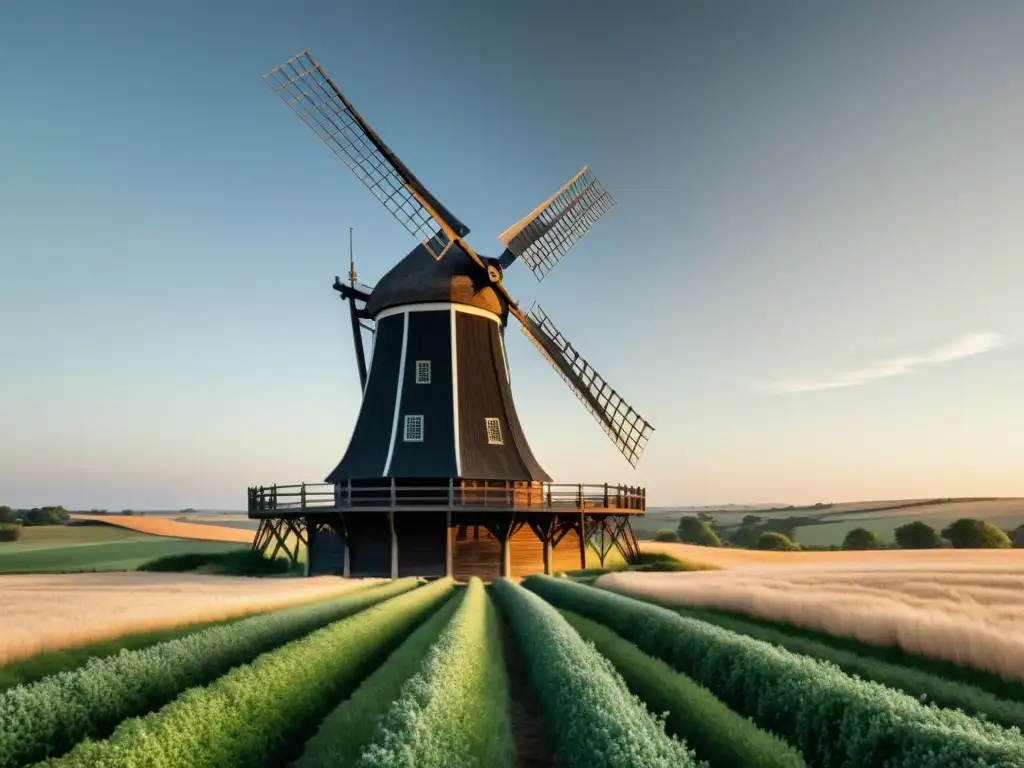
<point>456,495</point>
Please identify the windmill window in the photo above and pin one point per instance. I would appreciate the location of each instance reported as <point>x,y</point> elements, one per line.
<point>493,431</point>
<point>422,371</point>
<point>413,429</point>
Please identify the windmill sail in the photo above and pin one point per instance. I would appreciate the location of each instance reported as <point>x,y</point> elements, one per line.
<point>305,87</point>
<point>627,429</point>
<point>542,238</point>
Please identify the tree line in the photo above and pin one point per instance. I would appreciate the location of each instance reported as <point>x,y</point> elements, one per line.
<point>757,532</point>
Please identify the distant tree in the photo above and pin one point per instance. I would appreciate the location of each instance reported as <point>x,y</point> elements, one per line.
<point>6,514</point>
<point>666,534</point>
<point>968,533</point>
<point>1017,537</point>
<point>772,540</point>
<point>751,519</point>
<point>917,535</point>
<point>9,532</point>
<point>693,530</point>
<point>127,512</point>
<point>46,516</point>
<point>745,536</point>
<point>862,538</point>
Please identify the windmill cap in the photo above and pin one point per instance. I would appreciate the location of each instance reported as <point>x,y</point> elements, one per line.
<point>420,278</point>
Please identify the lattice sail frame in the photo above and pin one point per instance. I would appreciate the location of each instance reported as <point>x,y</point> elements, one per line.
<point>306,88</point>
<point>543,237</point>
<point>620,421</point>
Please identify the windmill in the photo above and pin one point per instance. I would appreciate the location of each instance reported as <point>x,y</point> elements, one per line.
<point>438,447</point>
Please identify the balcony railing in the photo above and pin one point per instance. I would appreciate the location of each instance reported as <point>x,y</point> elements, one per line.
<point>456,495</point>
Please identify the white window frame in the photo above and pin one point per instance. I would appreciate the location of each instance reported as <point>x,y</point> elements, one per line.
<point>423,367</point>
<point>412,423</point>
<point>493,423</point>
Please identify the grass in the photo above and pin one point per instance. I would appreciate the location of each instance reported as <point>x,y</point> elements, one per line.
<point>48,717</point>
<point>243,562</point>
<point>53,662</point>
<point>592,718</point>
<point>944,684</point>
<point>647,562</point>
<point>36,537</point>
<point>102,555</point>
<point>971,615</point>
<point>715,732</point>
<point>163,526</point>
<point>256,714</point>
<point>834,719</point>
<point>344,733</point>
<point>454,712</point>
<point>53,612</point>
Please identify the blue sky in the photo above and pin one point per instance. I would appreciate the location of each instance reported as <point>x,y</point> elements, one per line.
<point>811,284</point>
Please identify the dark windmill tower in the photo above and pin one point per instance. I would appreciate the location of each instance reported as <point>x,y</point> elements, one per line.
<point>438,477</point>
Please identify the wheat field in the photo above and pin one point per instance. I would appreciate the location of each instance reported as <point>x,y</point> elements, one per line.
<point>969,612</point>
<point>161,526</point>
<point>49,612</point>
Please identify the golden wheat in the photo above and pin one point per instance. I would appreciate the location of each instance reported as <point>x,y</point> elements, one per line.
<point>48,612</point>
<point>970,612</point>
<point>161,526</point>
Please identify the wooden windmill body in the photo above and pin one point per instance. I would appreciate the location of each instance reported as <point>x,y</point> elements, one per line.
<point>438,477</point>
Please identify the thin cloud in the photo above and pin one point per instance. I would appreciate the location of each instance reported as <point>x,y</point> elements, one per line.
<point>964,346</point>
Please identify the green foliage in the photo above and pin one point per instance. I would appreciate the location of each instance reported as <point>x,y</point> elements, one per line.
<point>751,519</point>
<point>344,733</point>
<point>1017,537</point>
<point>593,719</point>
<point>921,684</point>
<point>240,562</point>
<point>917,535</point>
<point>6,514</point>
<point>50,716</point>
<point>715,732</point>
<point>45,516</point>
<point>862,538</point>
<point>777,542</point>
<point>9,532</point>
<point>666,534</point>
<point>694,530</point>
<point>832,718</point>
<point>455,710</point>
<point>253,714</point>
<point>968,533</point>
<point>50,663</point>
<point>120,551</point>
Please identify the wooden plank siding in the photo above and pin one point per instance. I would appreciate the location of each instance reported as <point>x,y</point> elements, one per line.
<point>482,557</point>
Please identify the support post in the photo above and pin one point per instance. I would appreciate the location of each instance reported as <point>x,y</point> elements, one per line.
<point>583,541</point>
<point>448,570</point>
<point>394,539</point>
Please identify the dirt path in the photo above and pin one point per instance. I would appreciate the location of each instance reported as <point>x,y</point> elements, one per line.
<point>532,747</point>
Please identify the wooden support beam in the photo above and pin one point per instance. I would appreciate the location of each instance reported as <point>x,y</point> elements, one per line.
<point>394,539</point>
<point>448,568</point>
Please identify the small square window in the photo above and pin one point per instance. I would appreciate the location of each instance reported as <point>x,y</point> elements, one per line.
<point>422,371</point>
<point>413,429</point>
<point>493,431</point>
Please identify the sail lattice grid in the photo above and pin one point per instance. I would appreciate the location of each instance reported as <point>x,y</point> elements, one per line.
<point>620,421</point>
<point>307,89</point>
<point>548,234</point>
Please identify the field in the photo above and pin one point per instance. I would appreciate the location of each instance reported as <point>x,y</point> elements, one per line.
<point>163,526</point>
<point>824,666</point>
<point>828,526</point>
<point>54,611</point>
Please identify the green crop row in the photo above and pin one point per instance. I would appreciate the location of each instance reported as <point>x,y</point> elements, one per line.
<point>715,732</point>
<point>833,718</point>
<point>251,716</point>
<point>344,733</point>
<point>920,684</point>
<point>454,713</point>
<point>593,719</point>
<point>49,717</point>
